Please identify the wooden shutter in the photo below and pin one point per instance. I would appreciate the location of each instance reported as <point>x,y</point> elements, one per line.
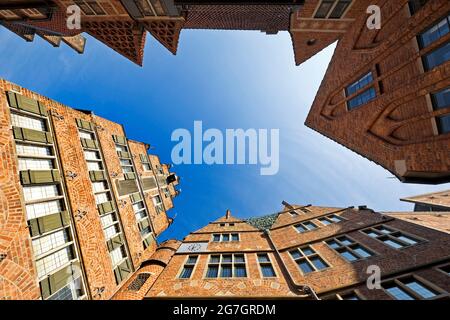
<point>135,197</point>
<point>120,139</point>
<point>126,187</point>
<point>115,242</point>
<point>143,224</point>
<point>125,269</point>
<point>88,143</point>
<point>83,124</point>
<point>32,135</point>
<point>148,240</point>
<point>39,176</point>
<point>97,176</point>
<point>20,102</point>
<point>106,207</point>
<point>130,176</point>
<point>48,223</point>
<point>148,183</point>
<point>59,279</point>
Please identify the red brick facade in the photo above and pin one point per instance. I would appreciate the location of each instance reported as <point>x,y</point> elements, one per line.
<point>424,261</point>
<point>94,192</point>
<point>399,127</point>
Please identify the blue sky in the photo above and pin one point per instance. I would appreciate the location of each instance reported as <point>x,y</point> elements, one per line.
<point>227,80</point>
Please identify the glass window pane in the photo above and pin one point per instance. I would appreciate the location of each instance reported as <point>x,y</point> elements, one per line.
<point>235,237</point>
<point>240,272</point>
<point>443,124</point>
<point>216,237</point>
<point>305,266</point>
<point>307,251</point>
<point>186,273</point>
<point>296,254</point>
<point>335,218</point>
<point>239,258</point>
<point>226,258</point>
<point>319,263</point>
<point>345,241</point>
<point>213,272</point>
<point>310,225</point>
<point>437,57</point>
<point>267,271</point>
<point>333,244</point>
<point>348,256</point>
<point>214,259</point>
<point>300,228</point>
<point>393,244</point>
<point>192,259</point>
<point>325,221</point>
<point>226,272</point>
<point>441,99</point>
<point>339,10</point>
<point>263,257</point>
<point>362,252</point>
<point>398,293</point>
<point>420,289</point>
<point>434,33</point>
<point>407,239</point>
<point>225,237</point>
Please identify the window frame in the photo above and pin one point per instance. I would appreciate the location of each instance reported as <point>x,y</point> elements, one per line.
<point>418,240</point>
<point>266,263</point>
<point>220,265</point>
<point>349,249</point>
<point>186,263</point>
<point>308,258</point>
<point>398,281</point>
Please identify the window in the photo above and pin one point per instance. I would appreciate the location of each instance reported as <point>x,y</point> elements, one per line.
<point>188,267</point>
<point>102,198</point>
<point>50,242</point>
<point>330,219</point>
<point>35,164</point>
<point>40,192</point>
<point>365,96</point>
<point>293,213</point>
<point>117,255</point>
<point>226,266</point>
<point>99,186</point>
<point>308,260</point>
<point>305,226</point>
<point>42,209</point>
<point>266,266</point>
<point>225,237</point>
<point>441,100</point>
<point>349,249</point>
<point>28,122</point>
<point>27,150</point>
<point>332,9</point>
<point>146,167</point>
<point>125,162</point>
<point>108,219</point>
<point>112,231</point>
<point>349,296</point>
<point>433,34</point>
<point>409,288</point>
<point>157,202</point>
<point>91,155</point>
<point>390,237</point>
<point>94,166</point>
<point>90,7</point>
<point>86,135</point>
<point>53,261</point>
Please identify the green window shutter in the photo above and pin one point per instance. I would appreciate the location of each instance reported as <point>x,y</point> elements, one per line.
<point>60,279</point>
<point>148,183</point>
<point>120,139</point>
<point>32,135</point>
<point>48,223</point>
<point>83,124</point>
<point>135,197</point>
<point>130,176</point>
<point>144,158</point>
<point>125,269</point>
<point>45,288</point>
<point>115,242</point>
<point>143,224</point>
<point>88,143</point>
<point>105,207</point>
<point>26,104</point>
<point>39,176</point>
<point>97,176</point>
<point>123,154</point>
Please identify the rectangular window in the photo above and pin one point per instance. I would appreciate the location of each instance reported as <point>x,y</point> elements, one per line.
<point>227,266</point>
<point>92,155</point>
<point>324,9</point>
<point>409,288</point>
<point>102,198</point>
<point>188,267</point>
<point>349,296</point>
<point>349,249</point>
<point>432,35</point>
<point>54,261</point>
<point>308,260</point>
<point>391,237</point>
<point>293,213</point>
<point>225,237</point>
<point>265,264</point>
<point>445,269</point>
<point>112,231</point>
<point>339,9</point>
<point>365,96</point>
<point>117,255</point>
<point>40,192</point>
<point>86,135</point>
<point>38,210</point>
<point>108,219</point>
<point>50,242</point>
<point>94,166</point>
<point>99,186</point>
<point>35,164</point>
<point>146,167</point>
<point>330,219</point>
<point>441,100</point>
<point>305,226</point>
<point>416,5</point>
<point>27,150</point>
<point>28,122</point>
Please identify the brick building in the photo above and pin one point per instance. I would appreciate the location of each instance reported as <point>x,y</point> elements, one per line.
<point>81,205</point>
<point>302,252</point>
<point>392,105</point>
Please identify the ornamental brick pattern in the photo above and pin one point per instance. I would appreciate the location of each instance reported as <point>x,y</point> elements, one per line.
<point>423,261</point>
<point>398,129</point>
<point>18,271</point>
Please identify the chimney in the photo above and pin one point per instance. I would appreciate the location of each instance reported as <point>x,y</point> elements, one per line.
<point>228,214</point>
